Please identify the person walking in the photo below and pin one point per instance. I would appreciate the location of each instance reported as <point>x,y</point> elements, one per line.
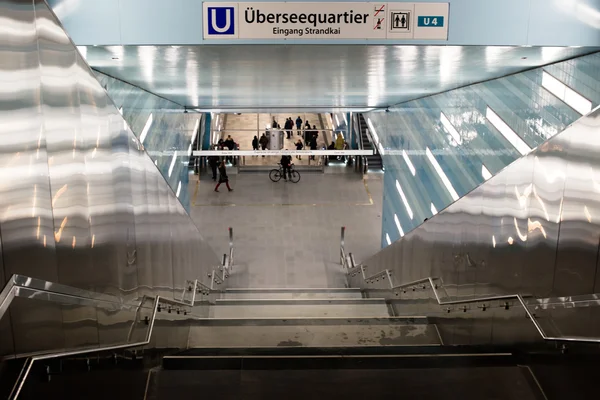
<point>213,162</point>
<point>255,143</point>
<point>298,124</point>
<point>299,146</point>
<point>264,141</point>
<point>223,178</point>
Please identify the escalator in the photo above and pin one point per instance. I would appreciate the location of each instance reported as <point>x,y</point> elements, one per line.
<point>375,163</point>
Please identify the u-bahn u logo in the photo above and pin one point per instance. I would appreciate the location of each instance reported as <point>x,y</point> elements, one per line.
<point>221,21</point>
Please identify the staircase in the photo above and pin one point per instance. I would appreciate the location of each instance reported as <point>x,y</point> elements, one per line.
<point>298,343</point>
<point>309,318</point>
<point>374,161</point>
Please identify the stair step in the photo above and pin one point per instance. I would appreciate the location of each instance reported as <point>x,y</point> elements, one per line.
<point>312,332</point>
<point>310,358</point>
<point>285,308</point>
<point>285,293</point>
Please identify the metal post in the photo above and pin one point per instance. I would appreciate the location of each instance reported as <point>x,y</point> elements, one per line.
<point>342,252</point>
<point>184,290</point>
<point>230,246</point>
<point>195,289</point>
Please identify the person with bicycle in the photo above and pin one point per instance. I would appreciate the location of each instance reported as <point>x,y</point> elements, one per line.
<point>286,162</point>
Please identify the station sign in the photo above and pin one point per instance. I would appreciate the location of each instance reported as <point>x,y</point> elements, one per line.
<point>298,20</point>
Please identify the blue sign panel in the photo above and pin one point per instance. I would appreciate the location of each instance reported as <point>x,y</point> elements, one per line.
<point>221,21</point>
<point>430,21</point>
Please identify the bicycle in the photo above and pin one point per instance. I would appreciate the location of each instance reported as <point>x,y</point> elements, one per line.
<point>276,174</point>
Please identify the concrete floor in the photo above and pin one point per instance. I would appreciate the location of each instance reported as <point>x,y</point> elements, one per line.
<point>288,235</point>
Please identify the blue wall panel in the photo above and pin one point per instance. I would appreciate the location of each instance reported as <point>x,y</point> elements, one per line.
<point>171,130</point>
<point>528,108</point>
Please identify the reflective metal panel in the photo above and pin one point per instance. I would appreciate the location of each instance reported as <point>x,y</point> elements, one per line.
<point>80,200</point>
<point>579,225</point>
<point>532,229</point>
<point>66,146</point>
<point>80,325</point>
<point>26,224</point>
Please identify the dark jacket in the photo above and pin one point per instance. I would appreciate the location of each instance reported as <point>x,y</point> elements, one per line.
<point>223,174</point>
<point>255,143</point>
<point>313,143</point>
<point>264,140</point>
<point>229,143</point>
<point>213,161</point>
<point>299,146</point>
<point>298,122</point>
<point>286,161</point>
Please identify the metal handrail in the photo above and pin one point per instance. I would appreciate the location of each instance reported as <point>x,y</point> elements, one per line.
<point>17,282</point>
<point>230,247</point>
<point>519,297</point>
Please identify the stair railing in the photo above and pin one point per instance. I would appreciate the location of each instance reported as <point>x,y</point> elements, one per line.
<point>482,303</point>
<point>32,288</point>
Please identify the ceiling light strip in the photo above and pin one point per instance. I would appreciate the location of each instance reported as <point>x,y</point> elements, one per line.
<point>404,200</point>
<point>434,210</point>
<point>387,239</point>
<point>146,128</point>
<point>410,165</point>
<point>507,132</point>
<point>397,221</point>
<point>485,172</point>
<point>172,164</point>
<point>566,94</point>
<point>441,174</point>
<point>450,128</point>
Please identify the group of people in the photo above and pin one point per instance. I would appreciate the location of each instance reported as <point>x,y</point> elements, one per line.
<point>310,140</point>
<point>263,142</point>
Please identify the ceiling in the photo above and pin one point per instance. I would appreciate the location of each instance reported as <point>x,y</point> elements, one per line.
<point>316,77</point>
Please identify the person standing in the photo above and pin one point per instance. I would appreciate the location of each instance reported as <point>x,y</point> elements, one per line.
<point>286,161</point>
<point>255,143</point>
<point>313,145</point>
<point>213,162</point>
<point>298,124</point>
<point>299,146</point>
<point>223,178</point>
<point>230,144</point>
<point>289,125</point>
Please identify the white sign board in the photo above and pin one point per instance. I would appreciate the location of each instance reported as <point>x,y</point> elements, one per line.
<point>283,21</point>
<point>207,153</point>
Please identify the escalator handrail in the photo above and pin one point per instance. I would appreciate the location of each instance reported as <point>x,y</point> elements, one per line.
<point>358,131</point>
